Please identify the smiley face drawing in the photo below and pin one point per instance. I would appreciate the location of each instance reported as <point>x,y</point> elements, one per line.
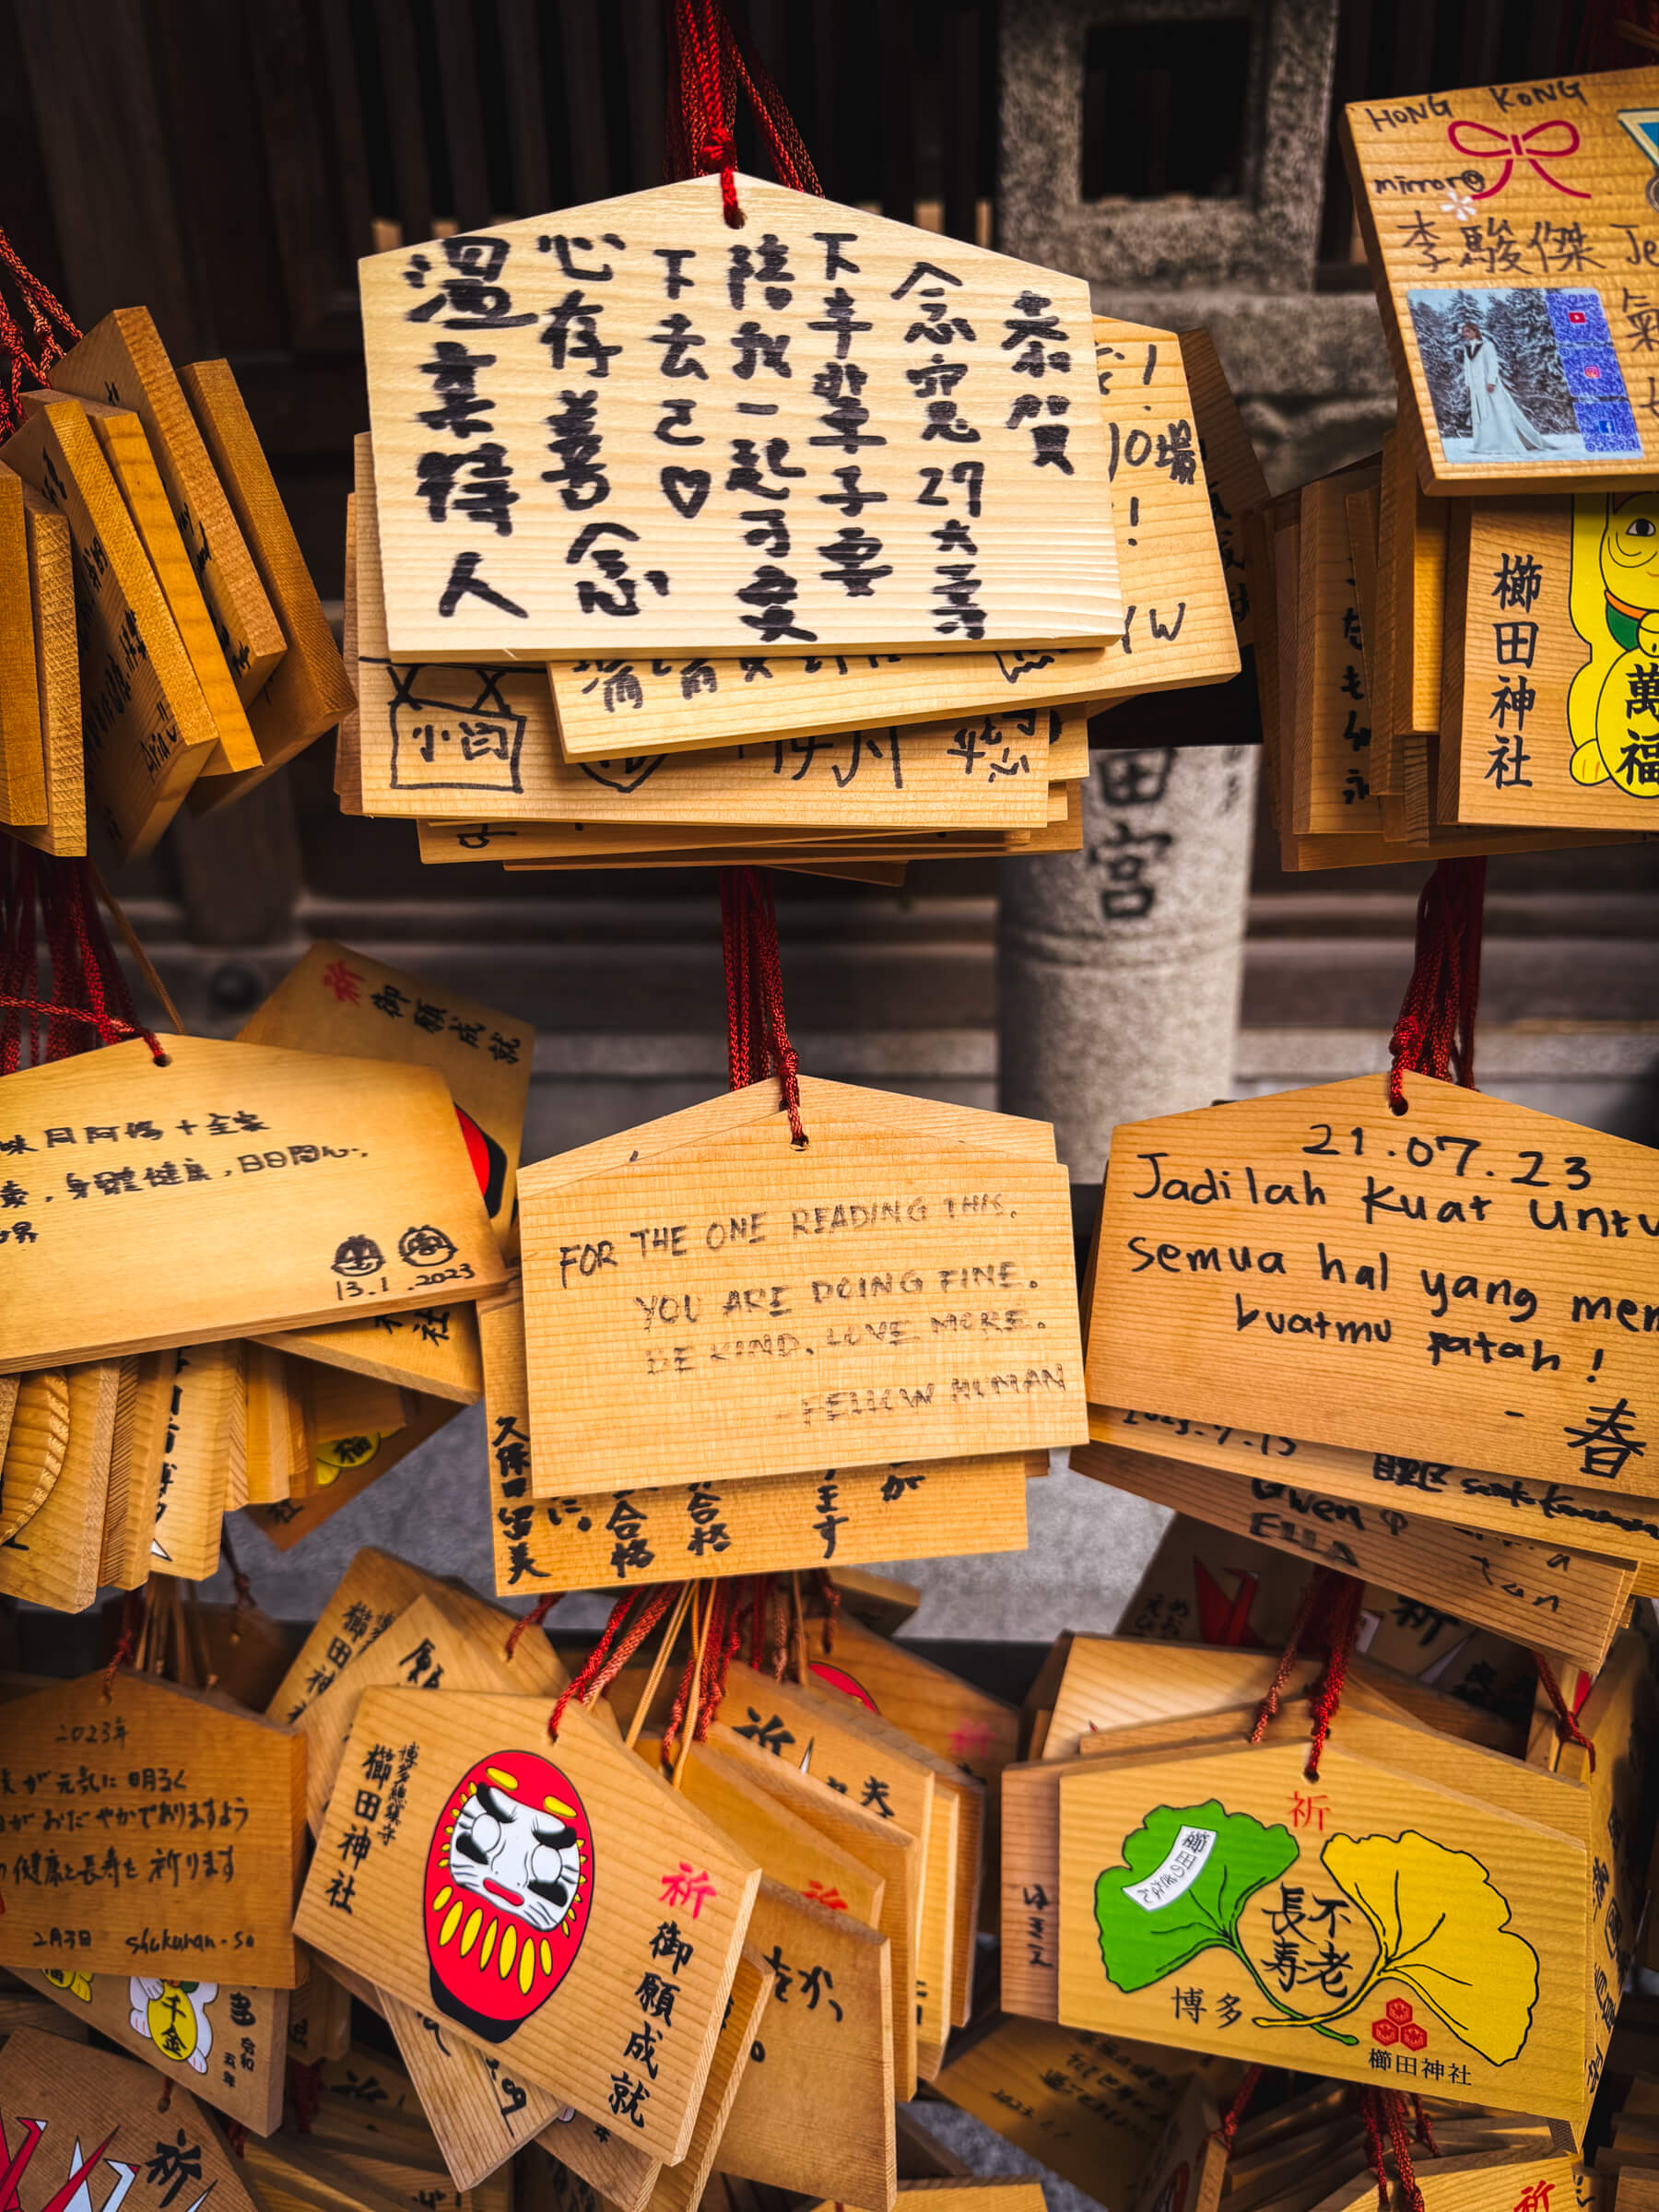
<point>509,1887</point>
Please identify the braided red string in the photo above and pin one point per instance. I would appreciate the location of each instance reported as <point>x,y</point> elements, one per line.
<point>1373,2138</point>
<point>1393,2107</point>
<point>1329,1612</point>
<point>1345,1627</point>
<point>1381,2108</point>
<point>1300,1627</point>
<point>135,1605</point>
<point>533,1619</point>
<point>709,59</point>
<point>756,1029</point>
<point>239,1580</point>
<point>603,1665</point>
<point>1236,2110</point>
<point>700,1697</point>
<point>1567,1726</point>
<point>305,2093</point>
<point>49,316</point>
<point>1435,1032</point>
<point>89,990</point>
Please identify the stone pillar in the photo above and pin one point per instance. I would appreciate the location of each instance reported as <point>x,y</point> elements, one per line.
<point>1120,966</point>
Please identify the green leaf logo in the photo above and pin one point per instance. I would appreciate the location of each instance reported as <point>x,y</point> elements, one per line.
<point>1187,1876</point>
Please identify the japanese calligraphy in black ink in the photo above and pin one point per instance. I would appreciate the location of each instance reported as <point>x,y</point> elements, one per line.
<point>621,427</point>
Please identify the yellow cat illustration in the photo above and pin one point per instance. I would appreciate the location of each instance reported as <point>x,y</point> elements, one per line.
<point>1613,705</point>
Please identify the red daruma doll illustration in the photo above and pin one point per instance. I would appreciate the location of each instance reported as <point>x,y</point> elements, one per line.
<point>509,1886</point>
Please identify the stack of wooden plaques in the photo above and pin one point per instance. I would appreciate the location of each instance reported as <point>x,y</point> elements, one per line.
<point>1418,1347</point>
<point>1460,638</point>
<point>1209,1584</point>
<point>152,595</point>
<point>728,1355</point>
<point>607,663</point>
<point>157,1835</point>
<point>1627,2162</point>
<point>1311,2153</point>
<point>1094,2109</point>
<point>353,1158</point>
<point>1426,1913</point>
<point>828,1837</point>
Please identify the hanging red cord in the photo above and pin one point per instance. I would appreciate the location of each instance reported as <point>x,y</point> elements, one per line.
<point>756,1032</point>
<point>1329,1613</point>
<point>89,1003</point>
<point>709,59</point>
<point>1236,2110</point>
<point>52,324</point>
<point>1435,1032</point>
<point>1567,1726</point>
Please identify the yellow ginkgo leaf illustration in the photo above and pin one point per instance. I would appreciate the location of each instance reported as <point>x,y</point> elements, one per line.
<point>1443,1930</point>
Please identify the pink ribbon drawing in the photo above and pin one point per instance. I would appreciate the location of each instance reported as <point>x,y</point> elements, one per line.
<point>1485,141</point>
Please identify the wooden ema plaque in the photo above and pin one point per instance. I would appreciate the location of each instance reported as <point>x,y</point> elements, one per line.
<point>53,1559</point>
<point>375,1588</point>
<point>336,1000</point>
<point>307,693</point>
<point>435,740</point>
<point>623,1887</point>
<point>256,1189</point>
<point>224,2042</point>
<point>157,1826</point>
<point>1551,705</point>
<point>148,731</point>
<point>824,2050</point>
<point>1504,225</point>
<point>889,1851</point>
<point>480,2111</point>
<point>727,1301</point>
<point>1217,1899</point>
<point>847,1745</point>
<point>1089,2106</point>
<point>1231,470</point>
<point>1333,730</point>
<point>342,1470</point>
<point>22,761</point>
<point>1573,1601</point>
<point>121,439</point>
<point>789,1849</point>
<point>1466,1281</point>
<point>1172,573</point>
<point>204,1408</point>
<point>1618,1717</point>
<point>918,1510</point>
<point>1493,2181</point>
<point>1565,1517</point>
<point>57,671</point>
<point>77,2121</point>
<point>837,431</point>
<point>121,360</point>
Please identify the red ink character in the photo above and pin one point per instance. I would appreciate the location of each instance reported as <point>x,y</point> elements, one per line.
<point>345,983</point>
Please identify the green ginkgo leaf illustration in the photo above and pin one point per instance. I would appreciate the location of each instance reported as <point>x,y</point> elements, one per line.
<point>1442,1930</point>
<point>1187,1876</point>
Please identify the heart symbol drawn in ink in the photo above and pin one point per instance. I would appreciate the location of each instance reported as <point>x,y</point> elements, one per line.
<point>686,489</point>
